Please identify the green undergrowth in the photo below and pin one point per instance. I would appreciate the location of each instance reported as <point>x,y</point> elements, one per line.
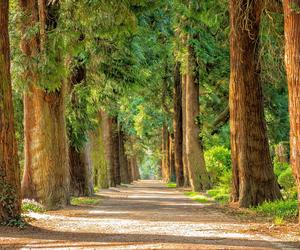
<point>32,206</point>
<point>199,197</point>
<point>171,185</point>
<point>280,211</point>
<point>219,194</point>
<point>18,222</point>
<point>77,201</point>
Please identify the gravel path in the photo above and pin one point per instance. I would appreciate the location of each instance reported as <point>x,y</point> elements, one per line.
<point>145,215</point>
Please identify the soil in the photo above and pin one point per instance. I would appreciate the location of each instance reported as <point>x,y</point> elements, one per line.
<point>147,215</point>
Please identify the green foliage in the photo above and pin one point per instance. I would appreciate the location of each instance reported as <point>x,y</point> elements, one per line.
<point>284,209</point>
<point>8,198</point>
<point>220,194</point>
<point>32,206</point>
<point>218,163</point>
<point>286,179</point>
<point>149,167</point>
<point>16,222</point>
<point>77,201</point>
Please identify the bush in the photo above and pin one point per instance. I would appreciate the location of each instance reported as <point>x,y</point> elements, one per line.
<point>218,163</point>
<point>287,181</point>
<point>281,209</point>
<point>280,167</point>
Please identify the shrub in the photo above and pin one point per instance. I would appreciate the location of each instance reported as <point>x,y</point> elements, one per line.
<point>218,163</point>
<point>284,209</point>
<point>287,181</point>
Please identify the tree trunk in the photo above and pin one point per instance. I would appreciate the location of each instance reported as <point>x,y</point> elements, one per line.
<point>253,177</point>
<point>184,154</point>
<point>281,153</point>
<point>167,157</point>
<point>116,154</point>
<point>79,157</point>
<point>81,171</point>
<point>9,163</point>
<point>165,161</point>
<point>46,171</point>
<point>177,124</point>
<point>107,127</point>
<point>292,60</point>
<point>195,157</point>
<point>123,159</point>
<point>172,170</point>
<point>98,159</point>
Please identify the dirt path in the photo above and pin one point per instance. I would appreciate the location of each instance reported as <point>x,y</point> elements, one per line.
<point>145,215</point>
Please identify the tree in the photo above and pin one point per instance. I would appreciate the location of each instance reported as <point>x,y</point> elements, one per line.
<point>177,124</point>
<point>253,177</point>
<point>292,62</point>
<point>10,205</point>
<point>98,155</point>
<point>46,171</point>
<point>195,157</point>
<point>124,172</point>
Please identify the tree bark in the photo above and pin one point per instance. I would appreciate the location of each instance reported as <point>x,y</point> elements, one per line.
<point>177,124</point>
<point>107,127</point>
<point>46,171</point>
<point>253,177</point>
<point>98,159</point>
<point>116,154</point>
<point>165,150</point>
<point>123,159</point>
<point>80,165</point>
<point>195,157</point>
<point>172,170</point>
<point>184,154</point>
<point>9,163</point>
<point>81,171</point>
<point>292,61</point>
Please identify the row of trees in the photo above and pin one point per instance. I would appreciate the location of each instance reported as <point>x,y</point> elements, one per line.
<point>60,159</point>
<point>252,169</point>
<point>143,80</point>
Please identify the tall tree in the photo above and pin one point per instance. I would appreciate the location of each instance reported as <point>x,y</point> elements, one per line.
<point>9,163</point>
<point>292,61</point>
<point>125,177</point>
<point>46,170</point>
<point>195,156</point>
<point>184,155</point>
<point>98,159</point>
<point>107,127</point>
<point>177,124</point>
<point>253,177</point>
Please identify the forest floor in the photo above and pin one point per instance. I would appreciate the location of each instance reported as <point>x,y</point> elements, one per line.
<point>147,215</point>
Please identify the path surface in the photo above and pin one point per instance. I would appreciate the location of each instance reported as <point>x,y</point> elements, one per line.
<point>145,215</point>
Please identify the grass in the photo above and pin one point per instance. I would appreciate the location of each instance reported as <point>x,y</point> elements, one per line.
<point>280,210</point>
<point>32,206</point>
<point>219,194</point>
<point>171,185</point>
<point>198,197</point>
<point>77,201</point>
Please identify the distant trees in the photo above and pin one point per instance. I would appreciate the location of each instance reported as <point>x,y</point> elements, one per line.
<point>10,200</point>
